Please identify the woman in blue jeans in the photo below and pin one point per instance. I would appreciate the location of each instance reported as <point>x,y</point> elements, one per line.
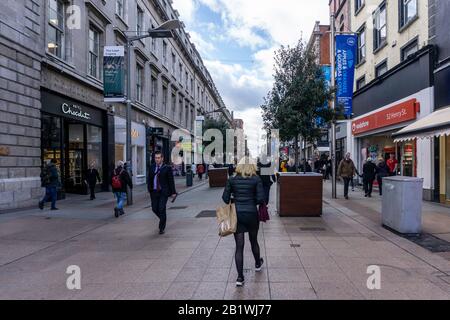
<point>120,179</point>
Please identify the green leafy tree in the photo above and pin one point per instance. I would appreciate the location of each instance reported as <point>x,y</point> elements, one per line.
<point>298,96</point>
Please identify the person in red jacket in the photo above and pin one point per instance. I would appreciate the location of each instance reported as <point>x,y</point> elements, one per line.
<point>392,163</point>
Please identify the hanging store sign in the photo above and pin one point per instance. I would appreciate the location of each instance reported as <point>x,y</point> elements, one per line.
<point>345,71</point>
<point>402,112</point>
<point>113,73</point>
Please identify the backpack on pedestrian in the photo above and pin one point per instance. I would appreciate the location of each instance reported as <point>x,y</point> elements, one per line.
<point>116,181</point>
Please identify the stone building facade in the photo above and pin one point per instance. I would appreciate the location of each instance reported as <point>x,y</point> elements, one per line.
<point>51,82</point>
<point>21,50</point>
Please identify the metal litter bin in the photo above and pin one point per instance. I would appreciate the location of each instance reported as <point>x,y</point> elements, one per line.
<point>402,204</point>
<point>189,178</point>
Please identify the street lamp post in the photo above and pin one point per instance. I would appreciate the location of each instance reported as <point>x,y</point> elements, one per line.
<point>163,31</point>
<point>333,106</point>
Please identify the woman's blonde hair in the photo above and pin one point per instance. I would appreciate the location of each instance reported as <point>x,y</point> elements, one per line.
<point>246,168</point>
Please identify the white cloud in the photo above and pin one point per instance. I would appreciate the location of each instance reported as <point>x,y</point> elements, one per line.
<point>283,20</point>
<point>203,46</point>
<point>262,26</point>
<point>186,8</point>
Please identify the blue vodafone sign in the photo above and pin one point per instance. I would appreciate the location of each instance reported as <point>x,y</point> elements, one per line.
<point>345,70</point>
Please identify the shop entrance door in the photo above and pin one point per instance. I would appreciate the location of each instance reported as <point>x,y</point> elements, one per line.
<point>75,158</point>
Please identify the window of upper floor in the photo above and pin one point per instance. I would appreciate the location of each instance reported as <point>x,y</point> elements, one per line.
<point>120,8</point>
<point>361,82</point>
<point>408,12</point>
<point>358,5</point>
<point>381,68</point>
<point>139,21</point>
<point>94,69</point>
<point>361,53</point>
<point>380,27</point>
<point>409,49</point>
<point>56,30</point>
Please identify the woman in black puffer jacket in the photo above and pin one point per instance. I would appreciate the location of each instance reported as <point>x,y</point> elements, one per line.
<point>247,190</point>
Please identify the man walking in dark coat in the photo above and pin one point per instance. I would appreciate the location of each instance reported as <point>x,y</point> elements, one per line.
<point>161,186</point>
<point>92,176</point>
<point>369,171</point>
<point>50,180</point>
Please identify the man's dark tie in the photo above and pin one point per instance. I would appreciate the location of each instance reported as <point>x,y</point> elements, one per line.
<point>158,185</point>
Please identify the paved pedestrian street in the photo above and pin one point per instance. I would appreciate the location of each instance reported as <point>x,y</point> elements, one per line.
<point>126,258</point>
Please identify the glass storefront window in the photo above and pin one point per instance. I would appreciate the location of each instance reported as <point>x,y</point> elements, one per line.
<point>94,148</point>
<point>447,167</point>
<point>119,153</point>
<point>51,140</point>
<point>140,164</point>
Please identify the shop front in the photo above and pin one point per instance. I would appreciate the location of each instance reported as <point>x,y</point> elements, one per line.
<point>374,138</point>
<point>138,148</point>
<point>74,134</point>
<point>435,127</point>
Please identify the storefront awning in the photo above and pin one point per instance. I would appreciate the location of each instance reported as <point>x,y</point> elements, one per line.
<point>434,125</point>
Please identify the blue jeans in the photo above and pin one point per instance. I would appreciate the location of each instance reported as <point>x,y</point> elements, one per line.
<point>120,197</point>
<point>50,195</point>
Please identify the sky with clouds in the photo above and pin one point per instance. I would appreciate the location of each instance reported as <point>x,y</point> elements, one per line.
<point>237,40</point>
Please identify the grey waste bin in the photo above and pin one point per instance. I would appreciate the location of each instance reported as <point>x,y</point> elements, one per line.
<point>402,204</point>
<point>189,178</point>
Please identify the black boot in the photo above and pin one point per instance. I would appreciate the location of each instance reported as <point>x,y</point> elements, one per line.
<point>121,212</point>
<point>116,212</point>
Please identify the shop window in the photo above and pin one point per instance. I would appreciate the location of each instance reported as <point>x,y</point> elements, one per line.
<point>94,148</point>
<point>447,166</point>
<point>51,140</point>
<point>140,161</point>
<point>119,153</point>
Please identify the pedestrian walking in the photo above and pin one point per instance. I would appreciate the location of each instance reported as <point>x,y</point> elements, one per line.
<point>346,170</point>
<point>50,180</point>
<point>120,179</point>
<point>247,191</point>
<point>369,171</point>
<point>267,179</point>
<point>161,186</point>
<point>92,176</point>
<point>382,172</point>
<point>392,164</point>
<point>194,170</point>
<point>200,171</point>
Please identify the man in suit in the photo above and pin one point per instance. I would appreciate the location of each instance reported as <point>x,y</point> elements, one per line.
<point>161,186</point>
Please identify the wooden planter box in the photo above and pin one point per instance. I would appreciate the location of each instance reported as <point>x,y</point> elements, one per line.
<point>218,177</point>
<point>299,195</point>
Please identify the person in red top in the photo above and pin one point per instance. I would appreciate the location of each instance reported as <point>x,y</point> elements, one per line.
<point>392,163</point>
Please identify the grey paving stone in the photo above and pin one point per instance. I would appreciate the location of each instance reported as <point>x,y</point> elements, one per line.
<point>210,291</point>
<point>181,291</point>
<point>292,291</point>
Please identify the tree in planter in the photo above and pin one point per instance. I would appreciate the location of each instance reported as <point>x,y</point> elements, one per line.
<point>298,97</point>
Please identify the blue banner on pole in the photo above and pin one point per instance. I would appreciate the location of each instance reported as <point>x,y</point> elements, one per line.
<point>345,70</point>
<point>326,71</point>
